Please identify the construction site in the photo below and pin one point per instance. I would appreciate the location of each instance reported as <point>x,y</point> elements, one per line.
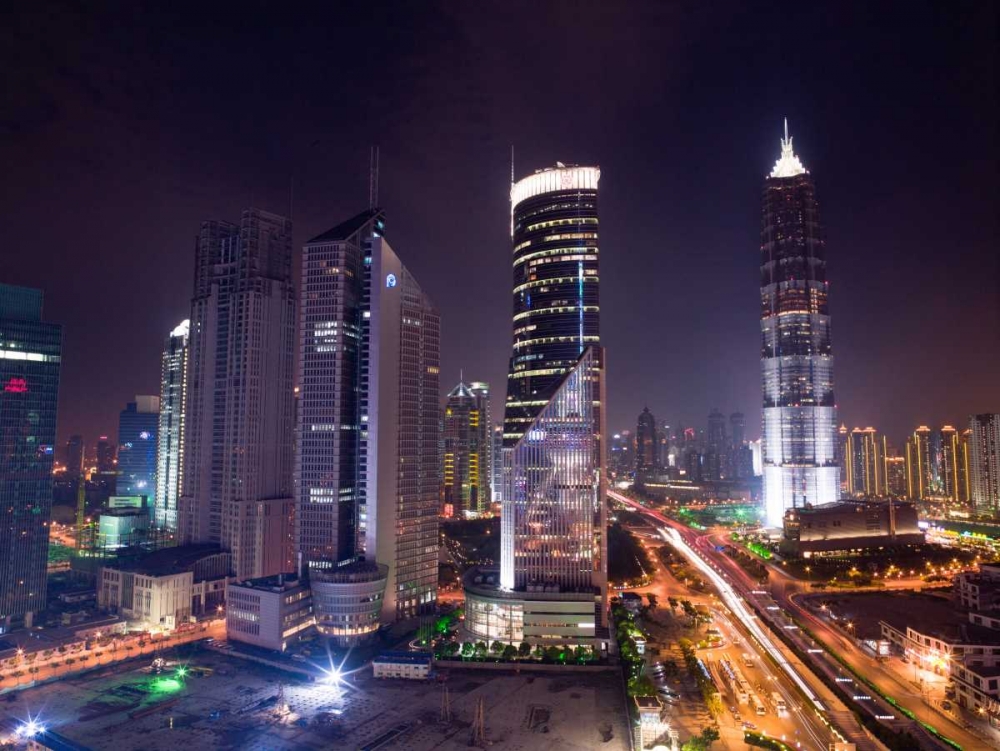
<point>217,701</point>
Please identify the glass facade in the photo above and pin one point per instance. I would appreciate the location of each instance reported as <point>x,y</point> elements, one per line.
<point>800,455</point>
<point>554,230</point>
<point>138,424</point>
<point>467,451</point>
<point>554,516</point>
<point>30,360</point>
<point>170,451</point>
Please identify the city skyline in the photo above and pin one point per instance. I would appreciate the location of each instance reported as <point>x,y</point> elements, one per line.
<point>693,258</point>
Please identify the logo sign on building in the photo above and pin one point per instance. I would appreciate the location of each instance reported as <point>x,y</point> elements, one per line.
<point>16,386</point>
<point>390,281</point>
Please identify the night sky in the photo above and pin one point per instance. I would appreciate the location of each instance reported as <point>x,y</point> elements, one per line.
<point>121,128</point>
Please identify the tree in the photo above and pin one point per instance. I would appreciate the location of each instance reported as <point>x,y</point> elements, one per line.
<point>467,650</point>
<point>451,648</point>
<point>496,647</point>
<point>652,599</point>
<point>641,686</point>
<point>481,650</point>
<point>539,652</point>
<point>702,741</point>
<point>672,601</point>
<point>509,652</point>
<point>524,650</point>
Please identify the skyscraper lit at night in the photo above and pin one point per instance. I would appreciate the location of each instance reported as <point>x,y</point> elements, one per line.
<point>367,461</point>
<point>30,360</point>
<point>239,410</point>
<point>138,424</point>
<point>984,464</point>
<point>170,451</point>
<point>551,586</point>
<point>467,448</point>
<point>799,412</point>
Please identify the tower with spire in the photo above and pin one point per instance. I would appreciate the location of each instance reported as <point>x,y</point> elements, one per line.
<point>800,457</point>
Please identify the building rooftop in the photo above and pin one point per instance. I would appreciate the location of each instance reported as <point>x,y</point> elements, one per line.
<point>277,583</point>
<point>412,658</point>
<point>173,560</point>
<point>345,229</point>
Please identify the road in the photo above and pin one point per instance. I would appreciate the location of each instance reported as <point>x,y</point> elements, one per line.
<point>737,589</point>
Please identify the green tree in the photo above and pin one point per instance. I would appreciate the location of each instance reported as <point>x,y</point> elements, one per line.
<point>509,652</point>
<point>496,647</point>
<point>524,650</point>
<point>672,601</point>
<point>641,686</point>
<point>539,652</point>
<point>481,650</point>
<point>467,650</point>
<point>652,599</point>
<point>552,654</point>
<point>583,654</point>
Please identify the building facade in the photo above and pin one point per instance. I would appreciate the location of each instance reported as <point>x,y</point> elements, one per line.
<point>170,451</point>
<point>30,360</point>
<point>647,446</point>
<point>239,408</point>
<point>865,463</point>
<point>268,612</point>
<point>367,463</point>
<point>799,411</point>
<point>984,464</point>
<point>919,465</point>
<point>74,457</point>
<point>138,424</point>
<point>467,451</point>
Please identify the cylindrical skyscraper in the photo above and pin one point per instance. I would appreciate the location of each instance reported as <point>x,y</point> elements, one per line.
<point>556,305</point>
<point>799,416</point>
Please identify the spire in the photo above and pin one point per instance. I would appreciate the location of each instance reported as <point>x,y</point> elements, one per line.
<point>788,165</point>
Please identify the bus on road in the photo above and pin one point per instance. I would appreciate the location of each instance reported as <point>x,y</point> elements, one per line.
<point>758,705</point>
<point>778,702</point>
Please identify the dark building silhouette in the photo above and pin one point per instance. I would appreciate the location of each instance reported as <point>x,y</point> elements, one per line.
<point>647,445</point>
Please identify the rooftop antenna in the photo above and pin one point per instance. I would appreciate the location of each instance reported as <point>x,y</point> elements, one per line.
<point>512,164</point>
<point>373,178</point>
<point>786,129</point>
<point>291,197</point>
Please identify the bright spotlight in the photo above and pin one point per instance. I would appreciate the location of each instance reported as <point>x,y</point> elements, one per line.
<point>332,677</point>
<point>30,729</point>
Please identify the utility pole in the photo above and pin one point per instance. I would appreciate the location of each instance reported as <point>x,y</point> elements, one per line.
<point>479,724</point>
<point>445,705</point>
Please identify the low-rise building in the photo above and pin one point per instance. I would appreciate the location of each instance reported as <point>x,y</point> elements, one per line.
<point>977,685</point>
<point>267,612</point>
<point>979,590</point>
<point>632,602</point>
<point>410,665</point>
<point>843,526</point>
<point>167,587</point>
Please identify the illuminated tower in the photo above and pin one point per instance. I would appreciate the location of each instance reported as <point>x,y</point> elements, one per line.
<point>554,518</point>
<point>137,445</point>
<point>919,470</point>
<point>866,469</point>
<point>467,441</point>
<point>30,359</point>
<point>646,445</point>
<point>799,413</point>
<point>170,452</point>
<point>984,464</point>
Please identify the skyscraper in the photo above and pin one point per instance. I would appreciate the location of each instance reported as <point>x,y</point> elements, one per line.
<point>481,391</point>
<point>467,439</point>
<point>984,464</point>
<point>367,463</point>
<point>105,455</point>
<point>866,470</point>
<point>556,305</point>
<point>716,447</point>
<point>30,358</point>
<point>170,451</point>
<point>953,463</point>
<point>239,412</point>
<point>799,412</point>
<point>138,424</point>
<point>919,464</point>
<point>553,544</point>
<point>74,457</point>
<point>647,445</point>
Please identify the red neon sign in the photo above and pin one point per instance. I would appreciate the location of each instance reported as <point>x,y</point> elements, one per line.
<point>16,386</point>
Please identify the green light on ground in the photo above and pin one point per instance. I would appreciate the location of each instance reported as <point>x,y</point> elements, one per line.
<point>181,672</point>
<point>167,685</point>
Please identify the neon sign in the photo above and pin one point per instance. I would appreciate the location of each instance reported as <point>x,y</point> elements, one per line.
<point>390,281</point>
<point>16,386</point>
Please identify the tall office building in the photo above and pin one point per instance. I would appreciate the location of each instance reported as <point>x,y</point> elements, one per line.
<point>953,466</point>
<point>481,392</point>
<point>496,462</point>
<point>738,428</point>
<point>74,457</point>
<point>895,476</point>
<point>367,462</point>
<point>984,464</point>
<point>647,445</point>
<point>866,470</point>
<point>105,455</point>
<point>170,451</point>
<point>552,581</point>
<point>239,410</point>
<point>138,424</point>
<point>716,447</point>
<point>30,357</point>
<point>919,464</point>
<point>799,412</point>
<point>465,473</point>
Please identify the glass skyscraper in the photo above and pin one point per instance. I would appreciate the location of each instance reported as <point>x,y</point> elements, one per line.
<point>138,425</point>
<point>800,459</point>
<point>556,305</point>
<point>30,359</point>
<point>170,452</point>
<point>468,442</point>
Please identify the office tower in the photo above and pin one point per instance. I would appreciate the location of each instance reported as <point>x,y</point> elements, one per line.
<point>554,518</point>
<point>895,476</point>
<point>964,469</point>
<point>556,306</point>
<point>239,410</point>
<point>919,472</point>
<point>170,451</point>
<point>367,456</point>
<point>620,462</point>
<point>866,463</point>
<point>843,452</point>
<point>30,356</point>
<point>799,412</point>
<point>984,464</point>
<point>647,445</point>
<point>738,427</point>
<point>74,457</point>
<point>465,475</point>
<point>949,459</point>
<point>481,392</point>
<point>138,424</point>
<point>716,447</point>
<point>105,455</point>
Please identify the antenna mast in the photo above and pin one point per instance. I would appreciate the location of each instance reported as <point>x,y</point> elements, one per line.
<point>373,178</point>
